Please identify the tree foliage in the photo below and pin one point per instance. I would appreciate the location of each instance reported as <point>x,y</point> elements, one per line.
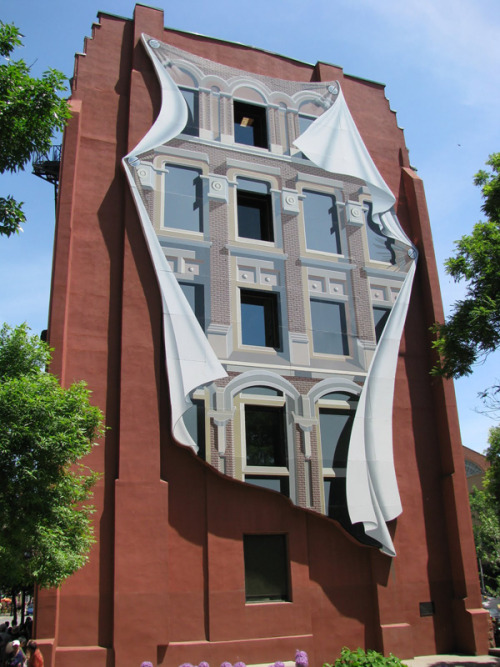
<point>473,330</point>
<point>45,526</point>
<point>30,111</point>
<point>485,507</point>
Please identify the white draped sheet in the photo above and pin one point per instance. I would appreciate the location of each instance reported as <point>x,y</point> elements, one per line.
<point>333,143</point>
<point>190,360</point>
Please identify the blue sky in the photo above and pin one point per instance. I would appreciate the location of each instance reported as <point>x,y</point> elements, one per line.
<point>439,59</point>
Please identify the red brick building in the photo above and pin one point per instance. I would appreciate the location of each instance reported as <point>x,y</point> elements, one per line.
<point>248,544</point>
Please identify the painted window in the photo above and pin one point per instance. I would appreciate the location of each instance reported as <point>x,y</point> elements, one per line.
<point>380,247</point>
<point>260,318</point>
<point>380,317</point>
<point>194,293</point>
<point>304,122</point>
<point>321,222</point>
<point>250,125</point>
<point>255,212</point>
<point>192,100</point>
<point>336,416</point>
<point>183,198</point>
<point>266,568</point>
<point>329,327</point>
<point>194,420</point>
<point>264,432</point>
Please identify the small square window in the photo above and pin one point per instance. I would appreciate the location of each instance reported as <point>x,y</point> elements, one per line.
<point>266,568</point>
<point>250,126</point>
<point>380,317</point>
<point>193,124</point>
<point>329,327</point>
<point>259,319</point>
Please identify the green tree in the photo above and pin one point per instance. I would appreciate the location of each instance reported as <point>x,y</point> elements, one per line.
<point>45,522</point>
<point>30,111</point>
<point>473,330</point>
<point>485,507</point>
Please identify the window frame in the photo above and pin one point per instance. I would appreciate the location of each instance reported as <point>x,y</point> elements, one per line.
<point>192,129</point>
<point>311,189</point>
<point>262,202</point>
<point>272,317</point>
<point>199,198</point>
<point>268,402</point>
<point>261,129</point>
<point>342,407</point>
<point>264,557</point>
<point>344,334</point>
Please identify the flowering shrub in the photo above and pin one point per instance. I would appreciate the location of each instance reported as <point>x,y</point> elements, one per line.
<point>360,658</point>
<point>301,659</point>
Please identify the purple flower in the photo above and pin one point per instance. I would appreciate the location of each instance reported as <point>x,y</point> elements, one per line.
<point>146,663</point>
<point>278,663</point>
<point>301,659</point>
<point>239,664</point>
<point>226,664</point>
<point>185,664</point>
<point>203,664</point>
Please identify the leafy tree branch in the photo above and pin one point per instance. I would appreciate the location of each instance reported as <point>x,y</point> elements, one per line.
<point>30,112</point>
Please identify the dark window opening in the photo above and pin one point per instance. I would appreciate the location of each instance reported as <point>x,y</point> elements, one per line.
<point>259,319</point>
<point>250,126</point>
<point>321,222</point>
<point>193,124</point>
<point>381,247</point>
<point>266,568</point>
<point>329,327</point>
<point>255,218</point>
<point>265,436</point>
<point>380,317</point>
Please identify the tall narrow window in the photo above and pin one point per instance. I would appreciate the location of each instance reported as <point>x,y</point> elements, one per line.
<point>259,319</point>
<point>304,123</point>
<point>255,218</point>
<point>193,123</point>
<point>266,568</point>
<point>381,247</point>
<point>195,296</point>
<point>336,417</point>
<point>321,222</point>
<point>265,436</point>
<point>194,419</point>
<point>329,327</point>
<point>183,198</point>
<point>250,126</point>
<point>380,317</point>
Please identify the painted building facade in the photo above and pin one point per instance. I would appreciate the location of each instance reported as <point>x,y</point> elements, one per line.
<point>226,295</point>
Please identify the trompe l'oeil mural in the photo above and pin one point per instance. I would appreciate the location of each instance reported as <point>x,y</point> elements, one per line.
<point>285,279</point>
